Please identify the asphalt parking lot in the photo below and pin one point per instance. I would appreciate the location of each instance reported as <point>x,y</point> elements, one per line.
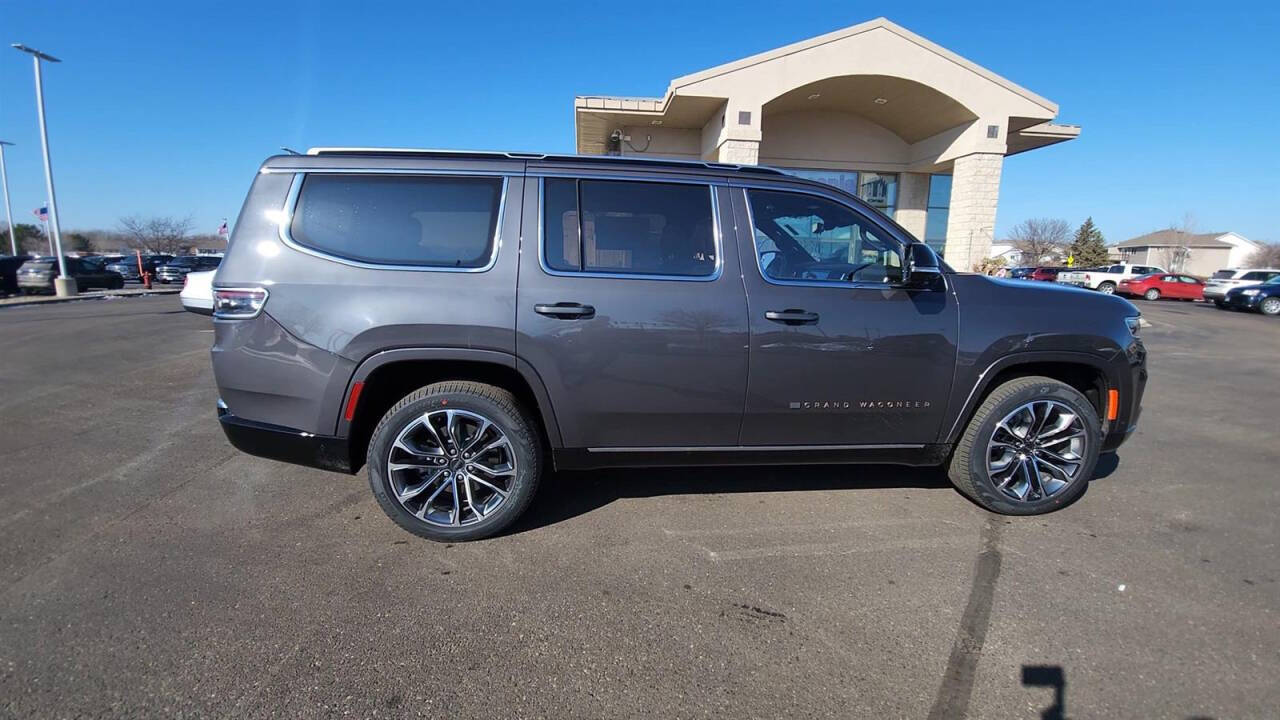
<point>147,568</point>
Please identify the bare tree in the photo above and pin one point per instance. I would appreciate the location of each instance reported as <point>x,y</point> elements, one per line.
<point>1039,239</point>
<point>1174,256</point>
<point>1267,256</point>
<point>156,234</point>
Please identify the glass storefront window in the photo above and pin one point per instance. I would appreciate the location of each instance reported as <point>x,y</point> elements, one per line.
<point>939,210</point>
<point>879,190</point>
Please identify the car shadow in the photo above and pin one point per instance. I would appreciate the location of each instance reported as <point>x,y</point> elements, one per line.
<point>567,494</point>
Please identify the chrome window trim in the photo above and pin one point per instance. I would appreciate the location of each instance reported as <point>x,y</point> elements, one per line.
<point>365,170</point>
<point>751,227</point>
<point>749,448</point>
<point>716,272</point>
<point>291,203</point>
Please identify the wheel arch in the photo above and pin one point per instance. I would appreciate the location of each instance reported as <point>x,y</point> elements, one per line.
<point>1087,373</point>
<point>390,375</point>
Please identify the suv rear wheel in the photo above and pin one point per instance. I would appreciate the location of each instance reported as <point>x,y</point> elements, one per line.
<point>1107,288</point>
<point>455,461</point>
<point>1029,449</point>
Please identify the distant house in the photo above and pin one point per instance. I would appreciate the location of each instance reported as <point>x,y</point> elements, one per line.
<point>1006,251</point>
<point>1194,253</point>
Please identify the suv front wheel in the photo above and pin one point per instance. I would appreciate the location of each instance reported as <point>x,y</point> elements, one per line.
<point>455,461</point>
<point>1029,449</point>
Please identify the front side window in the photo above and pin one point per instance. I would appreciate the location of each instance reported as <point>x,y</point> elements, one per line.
<point>801,237</point>
<point>445,222</point>
<point>628,228</point>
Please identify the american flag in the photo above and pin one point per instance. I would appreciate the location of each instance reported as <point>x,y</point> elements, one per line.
<point>222,229</point>
<point>41,212</point>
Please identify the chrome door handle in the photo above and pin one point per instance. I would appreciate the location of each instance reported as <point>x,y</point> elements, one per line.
<point>792,317</point>
<point>565,310</point>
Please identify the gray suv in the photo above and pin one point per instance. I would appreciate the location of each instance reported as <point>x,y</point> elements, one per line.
<point>463,323</point>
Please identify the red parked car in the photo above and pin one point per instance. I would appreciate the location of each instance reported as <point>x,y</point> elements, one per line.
<point>1047,274</point>
<point>1163,285</point>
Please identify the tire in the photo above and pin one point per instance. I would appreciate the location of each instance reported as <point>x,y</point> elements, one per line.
<point>1107,288</point>
<point>969,467</point>
<point>1152,294</point>
<point>1270,306</point>
<point>469,404</point>
<point>1220,304</point>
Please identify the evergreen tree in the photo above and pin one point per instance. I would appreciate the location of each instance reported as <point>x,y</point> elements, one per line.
<point>1089,248</point>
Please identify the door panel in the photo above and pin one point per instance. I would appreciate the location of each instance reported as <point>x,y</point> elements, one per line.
<point>639,360</point>
<point>846,363</point>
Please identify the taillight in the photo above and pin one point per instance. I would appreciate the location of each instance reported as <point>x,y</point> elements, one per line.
<point>238,303</point>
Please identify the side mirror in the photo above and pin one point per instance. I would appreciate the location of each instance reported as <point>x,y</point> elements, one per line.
<point>921,268</point>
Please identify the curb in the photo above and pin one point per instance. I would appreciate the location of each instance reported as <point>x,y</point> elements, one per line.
<point>28,301</point>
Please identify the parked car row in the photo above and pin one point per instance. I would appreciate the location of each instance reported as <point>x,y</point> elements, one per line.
<point>36,275</point>
<point>1236,289</point>
<point>27,274</point>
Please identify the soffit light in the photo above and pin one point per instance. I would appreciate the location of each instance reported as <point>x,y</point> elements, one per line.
<point>880,101</point>
<point>815,96</point>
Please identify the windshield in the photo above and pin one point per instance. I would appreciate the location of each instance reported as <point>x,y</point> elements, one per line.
<point>1273,281</point>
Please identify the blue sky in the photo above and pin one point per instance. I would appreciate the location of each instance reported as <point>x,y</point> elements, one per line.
<point>168,108</point>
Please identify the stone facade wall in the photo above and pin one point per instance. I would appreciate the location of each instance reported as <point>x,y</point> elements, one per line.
<point>975,190</point>
<point>739,152</point>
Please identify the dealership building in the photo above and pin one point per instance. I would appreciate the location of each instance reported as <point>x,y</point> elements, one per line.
<point>912,128</point>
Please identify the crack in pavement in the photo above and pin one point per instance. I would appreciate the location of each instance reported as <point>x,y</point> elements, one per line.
<point>952,700</point>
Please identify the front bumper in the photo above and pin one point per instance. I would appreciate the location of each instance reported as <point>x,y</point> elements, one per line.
<point>1240,301</point>
<point>276,442</point>
<point>1130,387</point>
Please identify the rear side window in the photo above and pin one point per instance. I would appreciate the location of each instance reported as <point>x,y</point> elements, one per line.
<point>446,222</point>
<point>628,228</point>
<point>1258,275</point>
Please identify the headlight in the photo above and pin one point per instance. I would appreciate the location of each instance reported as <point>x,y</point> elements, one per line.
<point>1251,292</point>
<point>1134,323</point>
<point>238,303</point>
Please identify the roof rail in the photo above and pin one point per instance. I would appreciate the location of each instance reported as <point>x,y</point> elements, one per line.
<point>495,154</point>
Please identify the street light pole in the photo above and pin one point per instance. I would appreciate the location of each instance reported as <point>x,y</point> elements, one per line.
<point>63,284</point>
<point>8,211</point>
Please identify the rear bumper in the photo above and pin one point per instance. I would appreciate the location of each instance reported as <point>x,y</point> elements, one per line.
<point>276,442</point>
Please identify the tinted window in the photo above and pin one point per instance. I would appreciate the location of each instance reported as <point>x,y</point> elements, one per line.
<point>1145,269</point>
<point>805,237</point>
<point>399,220</point>
<point>1223,274</point>
<point>1257,275</point>
<point>638,228</point>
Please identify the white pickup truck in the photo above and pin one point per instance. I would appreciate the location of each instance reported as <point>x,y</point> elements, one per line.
<point>1105,279</point>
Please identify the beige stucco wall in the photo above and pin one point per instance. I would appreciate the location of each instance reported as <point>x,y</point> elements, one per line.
<point>828,139</point>
<point>751,83</point>
<point>665,142</point>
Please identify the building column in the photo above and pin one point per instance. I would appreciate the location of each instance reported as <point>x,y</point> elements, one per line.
<point>975,190</point>
<point>739,152</point>
<point>913,203</point>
